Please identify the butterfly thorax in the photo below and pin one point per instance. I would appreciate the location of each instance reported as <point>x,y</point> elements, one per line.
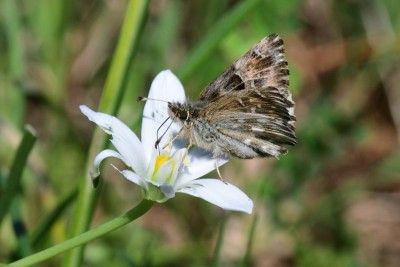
<point>195,127</point>
<point>184,113</point>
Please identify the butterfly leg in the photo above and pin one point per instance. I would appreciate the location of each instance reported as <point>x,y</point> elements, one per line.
<point>186,151</point>
<point>173,139</point>
<point>219,173</point>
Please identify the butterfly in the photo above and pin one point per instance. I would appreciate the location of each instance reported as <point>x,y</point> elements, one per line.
<point>247,111</point>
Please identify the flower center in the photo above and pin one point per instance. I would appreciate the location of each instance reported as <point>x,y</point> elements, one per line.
<point>160,160</point>
<point>163,168</point>
<point>162,174</point>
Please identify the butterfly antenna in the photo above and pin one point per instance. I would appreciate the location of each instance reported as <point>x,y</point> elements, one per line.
<point>143,98</point>
<point>161,137</point>
<point>158,130</point>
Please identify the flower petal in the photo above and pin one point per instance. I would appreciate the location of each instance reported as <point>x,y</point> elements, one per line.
<point>179,157</point>
<point>167,190</point>
<point>105,154</point>
<point>152,164</point>
<point>201,163</point>
<point>133,177</point>
<point>226,196</point>
<point>166,87</point>
<point>124,140</point>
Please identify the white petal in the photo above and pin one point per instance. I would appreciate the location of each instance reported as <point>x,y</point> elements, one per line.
<point>167,190</point>
<point>166,87</point>
<point>226,196</point>
<point>179,158</point>
<point>124,140</point>
<point>201,163</point>
<point>105,154</point>
<point>152,163</point>
<point>133,177</point>
<point>101,119</point>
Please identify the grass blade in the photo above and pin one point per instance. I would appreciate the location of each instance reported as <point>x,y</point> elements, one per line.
<point>14,178</point>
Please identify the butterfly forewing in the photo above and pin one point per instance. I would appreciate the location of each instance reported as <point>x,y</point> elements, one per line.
<point>262,66</point>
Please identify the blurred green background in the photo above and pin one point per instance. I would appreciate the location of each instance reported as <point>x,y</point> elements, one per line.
<point>333,200</point>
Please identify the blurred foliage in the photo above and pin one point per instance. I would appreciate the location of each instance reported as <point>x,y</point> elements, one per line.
<point>333,200</point>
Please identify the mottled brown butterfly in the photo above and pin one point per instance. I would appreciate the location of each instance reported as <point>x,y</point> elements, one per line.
<point>246,112</point>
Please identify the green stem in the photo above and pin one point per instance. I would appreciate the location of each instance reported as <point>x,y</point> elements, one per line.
<point>84,238</point>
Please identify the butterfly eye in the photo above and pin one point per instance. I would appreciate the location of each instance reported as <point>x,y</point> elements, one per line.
<point>183,115</point>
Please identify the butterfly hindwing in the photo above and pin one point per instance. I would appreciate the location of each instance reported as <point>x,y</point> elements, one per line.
<point>258,118</point>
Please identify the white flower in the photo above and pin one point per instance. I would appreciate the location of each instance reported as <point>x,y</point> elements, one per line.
<point>174,169</point>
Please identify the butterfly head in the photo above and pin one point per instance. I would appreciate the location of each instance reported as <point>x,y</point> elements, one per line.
<point>180,112</point>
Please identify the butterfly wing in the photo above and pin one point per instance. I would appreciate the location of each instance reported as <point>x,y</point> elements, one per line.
<point>258,123</point>
<point>250,105</point>
<point>262,66</point>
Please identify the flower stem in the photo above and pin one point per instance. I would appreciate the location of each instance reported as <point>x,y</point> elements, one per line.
<point>81,239</point>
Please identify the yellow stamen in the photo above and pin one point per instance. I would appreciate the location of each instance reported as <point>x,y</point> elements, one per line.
<point>160,161</point>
